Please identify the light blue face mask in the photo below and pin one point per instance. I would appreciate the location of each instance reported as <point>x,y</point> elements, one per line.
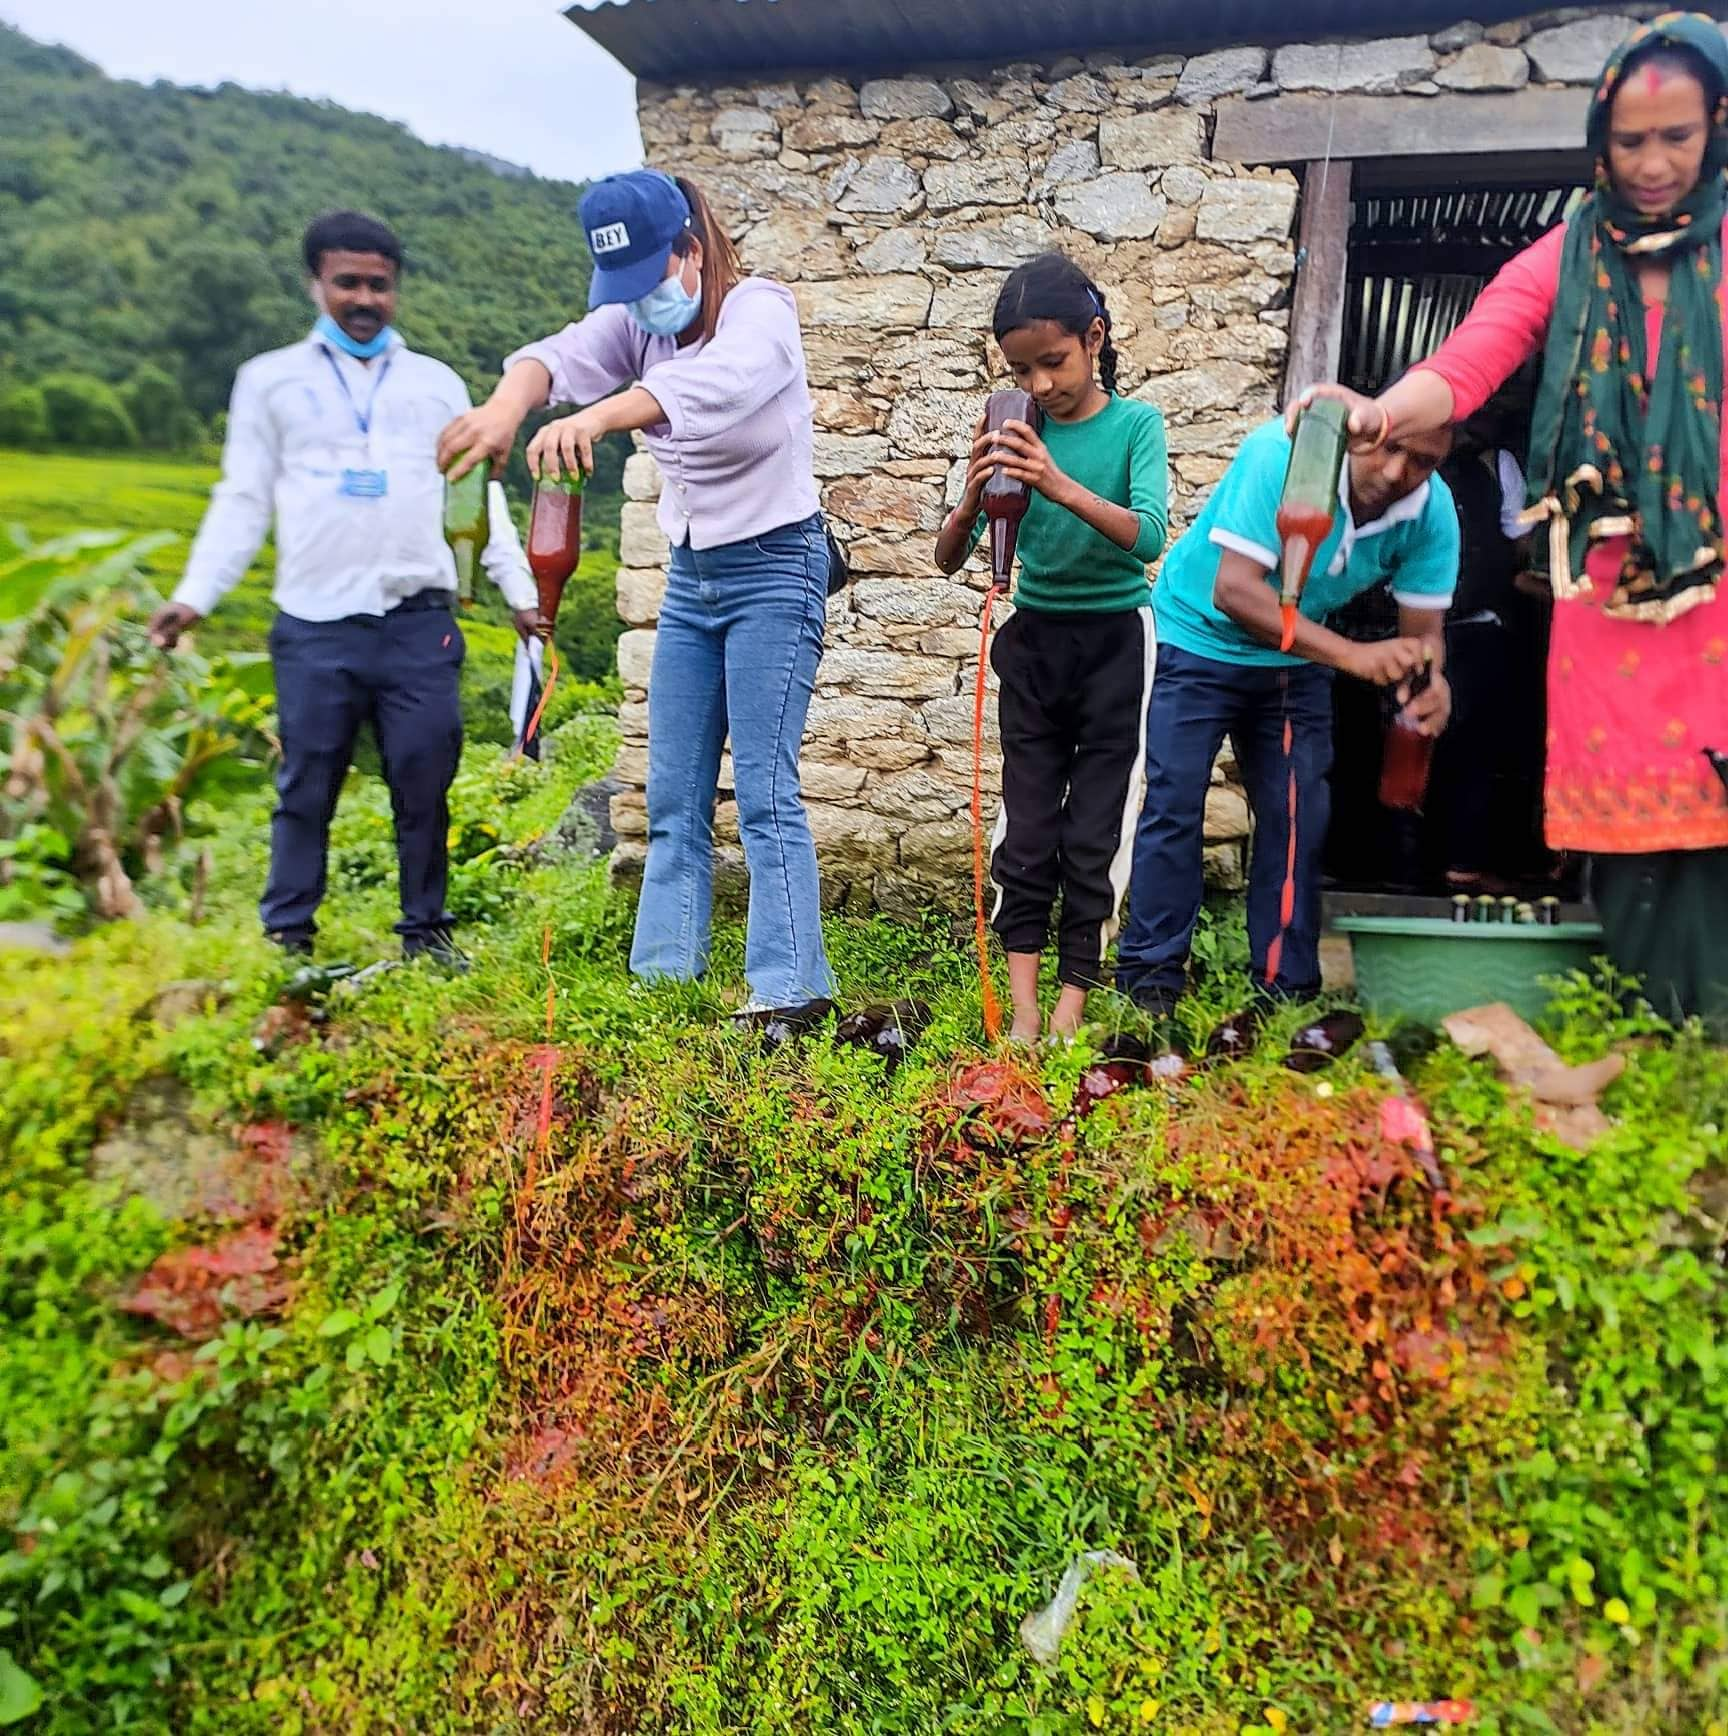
<point>332,333</point>
<point>668,308</point>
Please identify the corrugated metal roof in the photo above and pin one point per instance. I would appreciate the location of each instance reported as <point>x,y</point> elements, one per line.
<point>672,39</point>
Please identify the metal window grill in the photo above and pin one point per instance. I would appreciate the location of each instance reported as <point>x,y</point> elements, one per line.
<point>1417,261</point>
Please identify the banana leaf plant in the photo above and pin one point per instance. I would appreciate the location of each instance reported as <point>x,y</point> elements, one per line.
<point>101,736</point>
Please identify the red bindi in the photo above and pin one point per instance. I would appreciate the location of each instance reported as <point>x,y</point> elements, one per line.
<point>1652,79</point>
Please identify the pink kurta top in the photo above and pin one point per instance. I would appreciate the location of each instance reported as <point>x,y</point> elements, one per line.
<point>1631,704</point>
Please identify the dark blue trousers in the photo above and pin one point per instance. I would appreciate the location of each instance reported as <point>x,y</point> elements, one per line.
<point>1196,702</point>
<point>399,673</point>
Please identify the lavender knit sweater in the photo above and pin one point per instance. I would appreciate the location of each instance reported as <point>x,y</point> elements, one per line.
<point>735,448</point>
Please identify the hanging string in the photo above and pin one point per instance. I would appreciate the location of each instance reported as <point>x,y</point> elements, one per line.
<point>533,724</point>
<point>1287,893</point>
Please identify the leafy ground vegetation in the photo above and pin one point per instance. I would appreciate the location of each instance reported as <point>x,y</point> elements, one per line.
<point>43,495</point>
<point>528,1351</point>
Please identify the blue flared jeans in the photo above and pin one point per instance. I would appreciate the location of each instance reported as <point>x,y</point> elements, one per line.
<point>736,652</point>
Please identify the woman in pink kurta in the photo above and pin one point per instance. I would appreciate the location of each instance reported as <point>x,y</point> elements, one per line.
<point>1630,705</point>
<point>1628,470</point>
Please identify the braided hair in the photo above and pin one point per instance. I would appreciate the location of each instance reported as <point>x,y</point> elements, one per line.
<point>1052,287</point>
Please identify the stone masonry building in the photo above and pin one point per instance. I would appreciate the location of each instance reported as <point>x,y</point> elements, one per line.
<point>893,173</point>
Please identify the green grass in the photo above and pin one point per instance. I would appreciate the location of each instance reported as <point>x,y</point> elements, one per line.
<point>767,1393</point>
<point>49,494</point>
<point>838,1498</point>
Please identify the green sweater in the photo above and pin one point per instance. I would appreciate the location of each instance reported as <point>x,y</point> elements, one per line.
<point>1066,567</point>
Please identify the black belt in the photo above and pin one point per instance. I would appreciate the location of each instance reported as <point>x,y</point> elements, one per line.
<point>424,600</point>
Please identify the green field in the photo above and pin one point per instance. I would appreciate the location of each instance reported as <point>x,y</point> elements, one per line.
<point>49,494</point>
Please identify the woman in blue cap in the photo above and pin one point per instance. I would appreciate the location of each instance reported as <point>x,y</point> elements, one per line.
<point>714,366</point>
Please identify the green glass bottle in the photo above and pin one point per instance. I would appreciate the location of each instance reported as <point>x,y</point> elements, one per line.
<point>1308,507</point>
<point>467,525</point>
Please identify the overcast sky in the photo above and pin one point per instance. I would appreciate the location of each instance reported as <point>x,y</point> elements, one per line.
<point>511,77</point>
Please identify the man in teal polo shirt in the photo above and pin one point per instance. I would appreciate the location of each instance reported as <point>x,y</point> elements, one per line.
<point>1220,672</point>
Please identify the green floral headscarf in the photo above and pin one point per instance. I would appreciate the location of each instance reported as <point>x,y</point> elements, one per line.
<point>1614,452</point>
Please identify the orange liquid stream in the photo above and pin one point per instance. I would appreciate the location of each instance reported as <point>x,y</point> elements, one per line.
<point>1287,900</point>
<point>1301,531</point>
<point>1287,615</point>
<point>986,987</point>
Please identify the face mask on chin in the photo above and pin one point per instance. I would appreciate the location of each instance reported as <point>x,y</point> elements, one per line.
<point>332,333</point>
<point>668,308</point>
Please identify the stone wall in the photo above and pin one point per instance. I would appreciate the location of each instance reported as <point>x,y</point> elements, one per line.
<point>895,207</point>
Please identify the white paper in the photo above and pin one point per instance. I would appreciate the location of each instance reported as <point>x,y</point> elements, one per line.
<point>525,685</point>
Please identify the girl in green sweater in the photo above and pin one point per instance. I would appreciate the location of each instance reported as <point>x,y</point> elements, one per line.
<point>1074,661</point>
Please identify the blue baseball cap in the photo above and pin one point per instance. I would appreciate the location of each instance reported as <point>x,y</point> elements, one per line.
<point>632,221</point>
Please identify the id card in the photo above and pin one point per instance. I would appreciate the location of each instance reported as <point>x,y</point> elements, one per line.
<point>366,484</point>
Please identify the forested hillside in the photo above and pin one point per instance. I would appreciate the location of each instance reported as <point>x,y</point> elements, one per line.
<point>156,227</point>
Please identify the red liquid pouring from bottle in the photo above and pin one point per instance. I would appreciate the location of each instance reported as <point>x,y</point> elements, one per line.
<point>1307,510</point>
<point>1005,497</point>
<point>1308,505</point>
<point>1005,502</point>
<point>1301,531</point>
<point>554,541</point>
<point>1407,756</point>
<point>554,550</point>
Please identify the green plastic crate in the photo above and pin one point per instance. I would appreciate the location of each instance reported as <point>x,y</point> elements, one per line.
<point>1424,967</point>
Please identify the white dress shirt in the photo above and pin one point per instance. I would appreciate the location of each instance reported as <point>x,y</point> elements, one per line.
<point>302,420</point>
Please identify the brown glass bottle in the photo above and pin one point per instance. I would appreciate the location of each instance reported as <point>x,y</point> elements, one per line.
<point>1407,757</point>
<point>1005,498</point>
<point>554,541</point>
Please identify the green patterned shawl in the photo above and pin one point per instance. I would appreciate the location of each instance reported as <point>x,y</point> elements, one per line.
<point>1615,452</point>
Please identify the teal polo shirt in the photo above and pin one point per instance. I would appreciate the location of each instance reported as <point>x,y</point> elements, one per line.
<point>1414,545</point>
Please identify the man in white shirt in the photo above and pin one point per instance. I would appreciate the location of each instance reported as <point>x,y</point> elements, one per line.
<point>335,437</point>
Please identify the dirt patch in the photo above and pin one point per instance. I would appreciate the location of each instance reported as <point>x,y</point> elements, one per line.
<point>167,1153</point>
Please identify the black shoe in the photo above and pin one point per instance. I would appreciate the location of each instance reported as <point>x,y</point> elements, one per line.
<point>296,945</point>
<point>440,949</point>
<point>781,1024</point>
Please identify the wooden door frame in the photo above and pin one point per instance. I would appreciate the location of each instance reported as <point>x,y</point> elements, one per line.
<point>1322,258</point>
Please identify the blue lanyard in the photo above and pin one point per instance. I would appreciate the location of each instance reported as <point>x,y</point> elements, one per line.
<point>362,418</point>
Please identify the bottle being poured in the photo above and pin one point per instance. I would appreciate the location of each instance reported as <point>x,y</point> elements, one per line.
<point>1006,498</point>
<point>554,550</point>
<point>1408,753</point>
<point>467,525</point>
<point>554,540</point>
<point>1308,507</point>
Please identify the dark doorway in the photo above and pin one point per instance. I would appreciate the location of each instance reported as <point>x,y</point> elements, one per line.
<point>1419,255</point>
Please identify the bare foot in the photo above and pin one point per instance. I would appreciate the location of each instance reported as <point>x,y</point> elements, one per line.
<point>1025,1028</point>
<point>1069,1012</point>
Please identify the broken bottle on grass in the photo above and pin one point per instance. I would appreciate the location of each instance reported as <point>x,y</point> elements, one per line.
<point>1324,1041</point>
<point>886,1030</point>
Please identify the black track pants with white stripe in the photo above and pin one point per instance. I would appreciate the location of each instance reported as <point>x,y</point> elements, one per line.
<point>1074,692</point>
